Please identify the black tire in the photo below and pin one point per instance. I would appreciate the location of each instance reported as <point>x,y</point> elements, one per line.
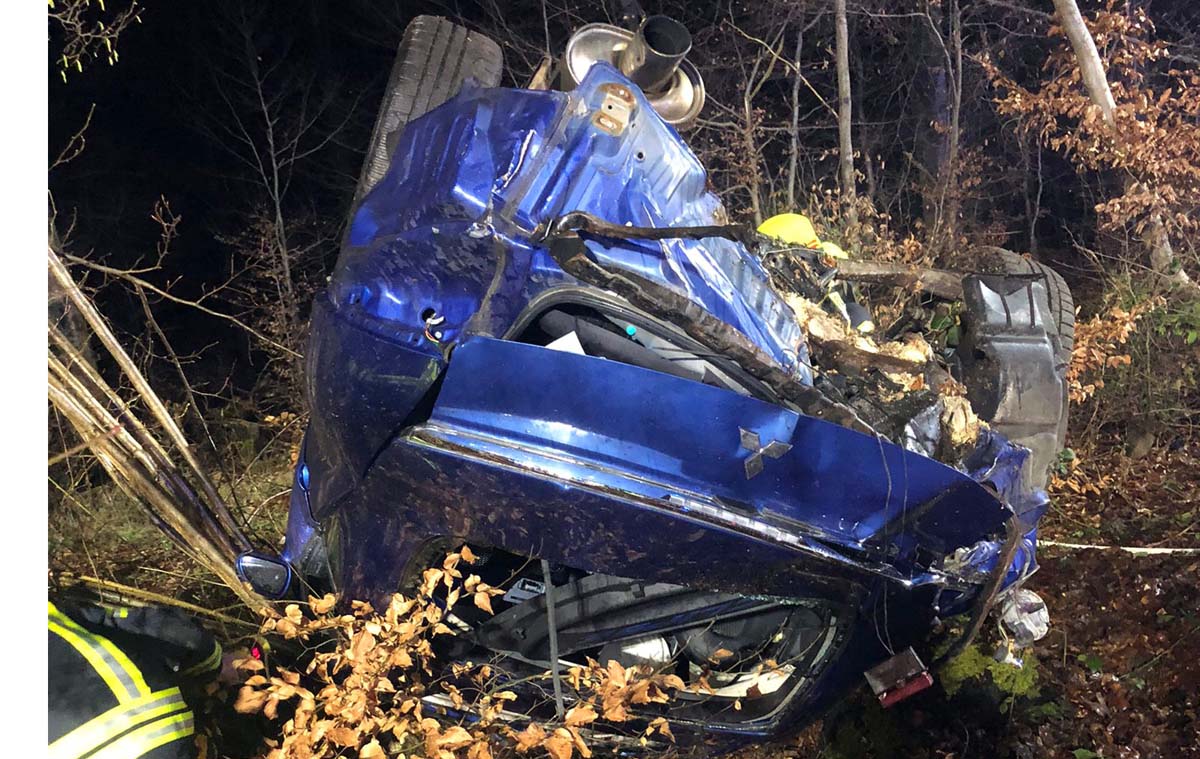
<point>1062,304</point>
<point>993,260</point>
<point>434,59</point>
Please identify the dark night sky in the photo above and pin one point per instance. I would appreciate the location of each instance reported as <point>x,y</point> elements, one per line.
<point>146,140</point>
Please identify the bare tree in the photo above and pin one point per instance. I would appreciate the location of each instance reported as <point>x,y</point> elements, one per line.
<point>1091,69</point>
<point>86,35</point>
<point>277,119</point>
<point>845,113</point>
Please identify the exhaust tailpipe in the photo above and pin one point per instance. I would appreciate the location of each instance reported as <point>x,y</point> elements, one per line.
<point>655,52</point>
<point>653,57</point>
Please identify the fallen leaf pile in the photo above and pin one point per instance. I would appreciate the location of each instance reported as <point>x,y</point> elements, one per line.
<point>361,691</point>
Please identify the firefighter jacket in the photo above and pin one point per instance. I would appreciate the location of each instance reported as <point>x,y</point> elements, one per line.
<point>114,681</point>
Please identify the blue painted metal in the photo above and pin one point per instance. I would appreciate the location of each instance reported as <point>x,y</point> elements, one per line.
<point>599,465</point>
<point>620,427</point>
<point>473,179</point>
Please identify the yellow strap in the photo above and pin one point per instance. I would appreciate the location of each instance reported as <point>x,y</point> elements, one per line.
<point>103,728</point>
<point>114,667</point>
<point>148,737</point>
<point>209,664</point>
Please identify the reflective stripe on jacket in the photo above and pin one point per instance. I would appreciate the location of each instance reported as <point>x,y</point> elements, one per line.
<point>103,705</point>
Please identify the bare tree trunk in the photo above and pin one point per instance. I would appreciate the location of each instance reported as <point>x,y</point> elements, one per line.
<point>750,147</point>
<point>794,155</point>
<point>949,179</point>
<point>943,61</point>
<point>845,115</point>
<point>1033,197</point>
<point>1095,81</point>
<point>1090,67</point>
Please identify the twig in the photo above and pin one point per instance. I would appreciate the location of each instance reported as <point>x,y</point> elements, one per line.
<point>146,595</point>
<point>1161,654</point>
<point>76,449</point>
<point>76,144</point>
<point>139,282</point>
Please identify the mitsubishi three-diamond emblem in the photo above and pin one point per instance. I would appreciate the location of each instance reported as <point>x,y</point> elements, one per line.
<point>752,443</point>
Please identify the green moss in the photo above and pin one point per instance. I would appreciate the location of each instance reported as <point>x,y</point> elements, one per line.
<point>969,665</point>
<point>1016,681</point>
<point>974,664</point>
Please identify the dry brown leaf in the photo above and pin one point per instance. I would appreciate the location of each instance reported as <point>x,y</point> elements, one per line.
<point>580,745</point>
<point>343,736</point>
<point>480,750</point>
<point>249,664</point>
<point>292,612</point>
<point>287,628</point>
<point>617,677</point>
<point>429,580</point>
<point>455,737</point>
<point>371,751</point>
<point>660,725</point>
<point>484,601</point>
<point>281,690</point>
<point>575,677</point>
<point>400,658</point>
<point>720,655</point>
<point>361,645</point>
<point>530,737</point>
<point>581,715</point>
<point>468,555</point>
<point>249,700</point>
<point>614,710</point>
<point>560,745</point>
<point>639,692</point>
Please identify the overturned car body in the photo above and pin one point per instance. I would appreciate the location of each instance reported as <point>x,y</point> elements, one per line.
<point>491,364</point>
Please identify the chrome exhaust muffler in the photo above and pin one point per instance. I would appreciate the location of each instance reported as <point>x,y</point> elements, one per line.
<point>654,57</point>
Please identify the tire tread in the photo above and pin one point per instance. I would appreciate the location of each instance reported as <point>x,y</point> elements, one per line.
<point>433,61</point>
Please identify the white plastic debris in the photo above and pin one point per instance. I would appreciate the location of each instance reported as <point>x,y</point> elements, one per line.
<point>1024,617</point>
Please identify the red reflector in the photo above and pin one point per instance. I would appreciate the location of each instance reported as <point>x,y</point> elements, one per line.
<point>915,685</point>
<point>256,652</point>
<point>897,678</point>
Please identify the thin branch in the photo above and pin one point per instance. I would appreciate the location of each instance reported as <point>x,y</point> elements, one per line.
<point>127,276</point>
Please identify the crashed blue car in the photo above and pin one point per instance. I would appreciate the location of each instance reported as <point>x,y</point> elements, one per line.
<point>543,339</point>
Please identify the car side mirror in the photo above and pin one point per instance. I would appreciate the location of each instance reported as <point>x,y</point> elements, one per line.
<point>269,576</point>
